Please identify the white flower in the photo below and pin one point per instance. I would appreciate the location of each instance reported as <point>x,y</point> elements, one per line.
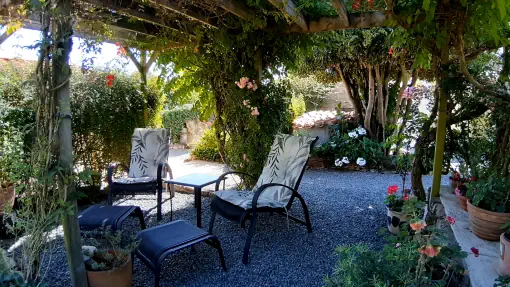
<point>361,161</point>
<point>361,131</point>
<point>353,134</point>
<point>345,160</point>
<point>332,144</point>
<point>338,162</point>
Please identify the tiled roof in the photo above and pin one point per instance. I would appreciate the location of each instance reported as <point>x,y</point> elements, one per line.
<point>320,119</point>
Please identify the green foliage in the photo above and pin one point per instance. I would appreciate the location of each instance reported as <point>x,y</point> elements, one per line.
<point>491,192</point>
<point>11,153</point>
<point>309,89</point>
<point>207,148</point>
<point>112,249</point>
<point>298,106</point>
<point>176,119</point>
<point>404,260</point>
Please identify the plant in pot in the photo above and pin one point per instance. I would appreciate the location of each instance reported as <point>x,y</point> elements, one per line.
<point>504,251</point>
<point>461,193</point>
<point>489,206</point>
<point>107,256</point>
<point>394,205</point>
<point>455,180</point>
<point>11,157</point>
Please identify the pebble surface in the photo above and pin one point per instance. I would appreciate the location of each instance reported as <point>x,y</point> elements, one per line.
<point>345,208</point>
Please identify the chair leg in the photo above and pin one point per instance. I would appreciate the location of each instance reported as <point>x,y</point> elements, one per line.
<point>160,199</point>
<point>214,242</point>
<point>138,213</point>
<point>211,222</point>
<point>307,215</point>
<point>251,231</point>
<point>157,276</point>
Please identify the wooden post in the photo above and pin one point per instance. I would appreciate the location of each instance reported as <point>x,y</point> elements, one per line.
<point>62,24</point>
<point>440,140</point>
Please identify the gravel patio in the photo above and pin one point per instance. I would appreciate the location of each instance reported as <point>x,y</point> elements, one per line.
<point>345,208</point>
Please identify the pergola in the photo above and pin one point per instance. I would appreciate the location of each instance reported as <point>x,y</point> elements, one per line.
<point>141,22</point>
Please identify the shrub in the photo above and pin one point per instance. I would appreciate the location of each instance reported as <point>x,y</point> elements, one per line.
<point>176,119</point>
<point>298,106</point>
<point>207,148</point>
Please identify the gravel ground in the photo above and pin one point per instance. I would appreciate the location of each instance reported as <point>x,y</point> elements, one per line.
<point>345,208</point>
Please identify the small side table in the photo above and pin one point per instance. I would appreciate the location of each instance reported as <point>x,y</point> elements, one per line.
<point>197,181</point>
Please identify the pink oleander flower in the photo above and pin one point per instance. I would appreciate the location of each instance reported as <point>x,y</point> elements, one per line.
<point>451,220</point>
<point>430,250</point>
<point>245,158</point>
<point>255,111</point>
<point>242,82</point>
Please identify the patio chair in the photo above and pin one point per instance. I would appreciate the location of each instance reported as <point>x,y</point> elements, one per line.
<point>148,167</point>
<point>275,190</point>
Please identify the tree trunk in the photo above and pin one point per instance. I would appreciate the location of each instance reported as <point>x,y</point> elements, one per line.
<point>371,102</point>
<point>62,93</point>
<point>353,95</point>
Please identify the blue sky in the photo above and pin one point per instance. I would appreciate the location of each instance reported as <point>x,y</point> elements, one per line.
<point>15,47</point>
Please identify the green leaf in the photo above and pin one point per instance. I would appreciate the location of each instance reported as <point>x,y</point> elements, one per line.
<point>502,8</point>
<point>426,5</point>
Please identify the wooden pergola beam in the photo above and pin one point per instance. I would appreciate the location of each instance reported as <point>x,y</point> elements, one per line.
<point>238,8</point>
<point>112,5</point>
<point>289,8</point>
<point>167,4</point>
<point>340,8</point>
<point>356,21</point>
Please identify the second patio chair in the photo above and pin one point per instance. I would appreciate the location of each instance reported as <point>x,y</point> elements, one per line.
<point>275,190</point>
<point>148,167</point>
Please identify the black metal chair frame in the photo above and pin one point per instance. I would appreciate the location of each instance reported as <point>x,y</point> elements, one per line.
<point>240,215</point>
<point>155,267</point>
<point>134,211</point>
<point>141,188</point>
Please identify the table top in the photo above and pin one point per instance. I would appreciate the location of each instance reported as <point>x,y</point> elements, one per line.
<point>194,180</point>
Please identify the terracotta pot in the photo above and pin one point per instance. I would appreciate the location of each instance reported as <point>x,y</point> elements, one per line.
<point>7,197</point>
<point>118,277</point>
<point>453,185</point>
<point>486,224</point>
<point>395,220</point>
<point>317,162</point>
<point>463,201</point>
<point>504,255</point>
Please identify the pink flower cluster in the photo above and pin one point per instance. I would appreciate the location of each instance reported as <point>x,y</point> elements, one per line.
<point>408,93</point>
<point>254,110</point>
<point>245,82</point>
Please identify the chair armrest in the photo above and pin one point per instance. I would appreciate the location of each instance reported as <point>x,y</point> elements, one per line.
<point>224,177</point>
<point>111,171</point>
<point>264,187</point>
<point>164,167</point>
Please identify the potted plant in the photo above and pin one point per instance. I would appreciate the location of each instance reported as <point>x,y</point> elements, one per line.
<point>489,206</point>
<point>108,259</point>
<point>455,180</point>
<point>394,205</point>
<point>461,193</point>
<point>504,251</point>
<point>11,156</point>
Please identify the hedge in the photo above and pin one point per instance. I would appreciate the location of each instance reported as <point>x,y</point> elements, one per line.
<point>175,120</point>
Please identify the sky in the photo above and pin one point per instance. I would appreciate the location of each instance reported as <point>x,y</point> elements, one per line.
<point>16,47</point>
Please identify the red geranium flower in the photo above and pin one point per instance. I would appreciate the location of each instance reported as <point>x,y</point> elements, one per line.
<point>451,220</point>
<point>109,80</point>
<point>475,251</point>
<point>392,189</point>
<point>390,52</point>
<point>406,197</point>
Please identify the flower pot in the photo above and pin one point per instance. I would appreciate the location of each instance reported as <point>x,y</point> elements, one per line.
<point>463,201</point>
<point>117,277</point>
<point>7,196</point>
<point>504,255</point>
<point>315,162</point>
<point>486,224</point>
<point>453,185</point>
<point>395,220</point>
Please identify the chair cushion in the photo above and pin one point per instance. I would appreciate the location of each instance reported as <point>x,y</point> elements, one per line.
<point>149,147</point>
<point>244,199</point>
<point>131,180</point>
<point>285,163</point>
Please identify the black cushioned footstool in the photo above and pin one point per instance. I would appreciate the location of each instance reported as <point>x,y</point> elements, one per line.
<point>159,241</point>
<point>98,216</point>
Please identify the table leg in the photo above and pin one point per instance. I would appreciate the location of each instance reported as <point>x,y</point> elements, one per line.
<point>198,205</point>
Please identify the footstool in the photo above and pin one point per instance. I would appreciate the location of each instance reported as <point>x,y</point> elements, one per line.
<point>98,216</point>
<point>160,241</point>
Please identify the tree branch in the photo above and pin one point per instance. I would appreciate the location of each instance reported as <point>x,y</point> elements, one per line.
<point>133,58</point>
